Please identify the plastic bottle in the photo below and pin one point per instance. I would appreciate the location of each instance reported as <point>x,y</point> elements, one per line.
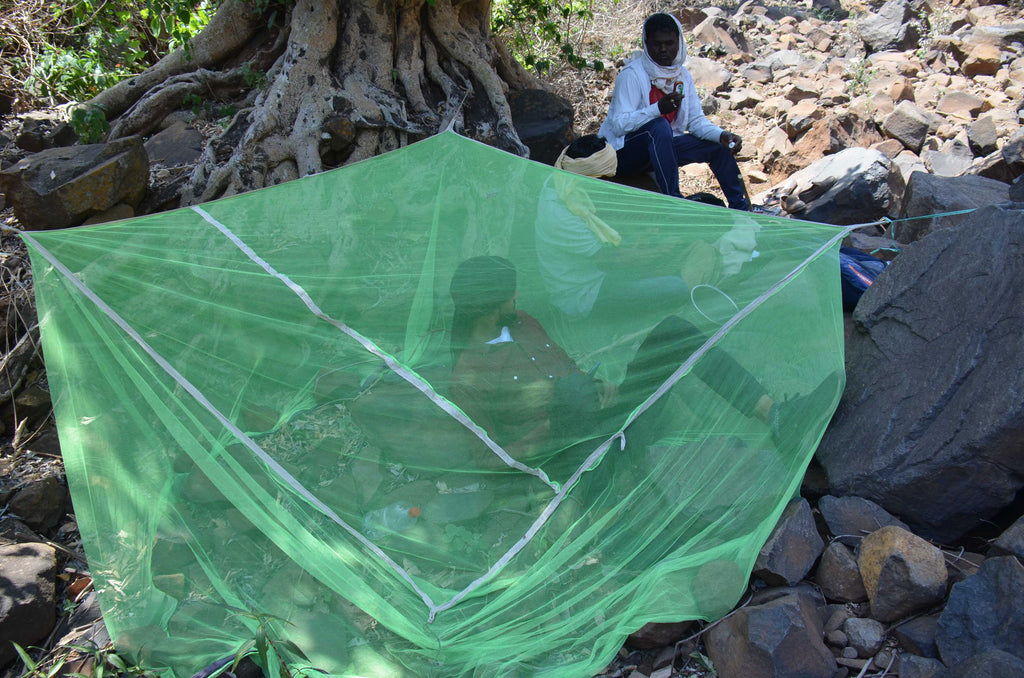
<point>397,517</point>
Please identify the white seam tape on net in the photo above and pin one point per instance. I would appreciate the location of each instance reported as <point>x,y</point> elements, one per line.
<point>532,532</point>
<point>729,324</point>
<point>399,369</point>
<point>238,433</point>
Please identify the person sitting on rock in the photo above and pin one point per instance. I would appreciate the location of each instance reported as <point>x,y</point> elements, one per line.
<point>655,121</point>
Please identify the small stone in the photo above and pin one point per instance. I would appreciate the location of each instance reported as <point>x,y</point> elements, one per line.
<point>655,634</point>
<point>960,103</point>
<point>983,60</point>
<point>917,636</point>
<point>982,136</point>
<point>1011,542</point>
<point>890,148</point>
<point>864,635</point>
<point>40,504</point>
<point>909,124</point>
<point>793,546</point>
<point>910,666</point>
<point>781,637</point>
<point>836,639</point>
<point>902,573</point>
<point>27,596</point>
<point>850,519</point>
<point>802,116</point>
<point>901,90</point>
<point>838,575</point>
<point>838,617</point>
<point>883,660</point>
<point>115,213</point>
<point>849,653</point>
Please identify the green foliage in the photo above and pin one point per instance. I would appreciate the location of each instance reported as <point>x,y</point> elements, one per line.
<point>210,109</point>
<point>105,662</point>
<point>825,14</point>
<point>254,79</point>
<point>90,123</point>
<point>276,657</point>
<point>74,49</point>
<point>858,76</point>
<point>541,33</point>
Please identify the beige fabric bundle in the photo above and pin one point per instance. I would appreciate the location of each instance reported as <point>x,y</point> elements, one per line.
<point>604,163</point>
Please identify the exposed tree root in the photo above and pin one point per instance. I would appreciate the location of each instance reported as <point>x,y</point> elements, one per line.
<point>343,82</point>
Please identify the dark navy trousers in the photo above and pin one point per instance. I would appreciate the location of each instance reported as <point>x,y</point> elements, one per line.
<point>654,148</point>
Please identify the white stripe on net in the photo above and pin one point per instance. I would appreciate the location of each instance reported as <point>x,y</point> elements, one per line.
<point>399,369</point>
<point>238,433</point>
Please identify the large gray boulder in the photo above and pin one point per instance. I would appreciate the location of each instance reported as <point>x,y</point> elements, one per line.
<point>928,194</point>
<point>866,187</point>
<point>928,427</point>
<point>61,187</point>
<point>983,613</point>
<point>889,28</point>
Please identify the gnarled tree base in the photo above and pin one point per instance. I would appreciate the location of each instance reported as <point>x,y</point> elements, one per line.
<point>338,83</point>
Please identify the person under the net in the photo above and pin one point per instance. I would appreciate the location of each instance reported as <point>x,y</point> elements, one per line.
<point>520,386</point>
<point>655,121</point>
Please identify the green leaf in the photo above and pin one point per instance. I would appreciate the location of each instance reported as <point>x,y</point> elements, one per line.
<point>56,668</point>
<point>293,648</point>
<point>30,664</point>
<point>116,661</point>
<point>244,649</point>
<point>262,645</point>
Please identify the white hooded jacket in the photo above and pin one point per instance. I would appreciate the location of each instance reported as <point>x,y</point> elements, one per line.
<point>631,109</point>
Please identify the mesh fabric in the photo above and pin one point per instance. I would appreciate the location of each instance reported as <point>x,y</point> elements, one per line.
<point>245,392</point>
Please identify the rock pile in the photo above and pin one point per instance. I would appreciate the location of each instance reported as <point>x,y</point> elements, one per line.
<point>930,88</point>
<point>903,110</point>
<point>876,599</point>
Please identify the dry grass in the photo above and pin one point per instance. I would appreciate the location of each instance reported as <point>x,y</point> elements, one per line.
<point>26,25</point>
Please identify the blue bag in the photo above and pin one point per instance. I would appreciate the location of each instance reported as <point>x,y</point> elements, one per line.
<point>857,271</point>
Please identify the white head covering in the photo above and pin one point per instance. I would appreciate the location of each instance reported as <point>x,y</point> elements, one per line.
<point>665,77</point>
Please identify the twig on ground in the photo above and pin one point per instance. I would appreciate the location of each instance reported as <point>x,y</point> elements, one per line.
<point>710,626</point>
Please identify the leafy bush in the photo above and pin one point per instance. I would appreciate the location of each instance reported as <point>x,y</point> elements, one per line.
<point>541,33</point>
<point>90,123</point>
<point>70,50</point>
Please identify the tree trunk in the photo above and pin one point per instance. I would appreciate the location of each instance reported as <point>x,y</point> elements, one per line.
<point>337,82</point>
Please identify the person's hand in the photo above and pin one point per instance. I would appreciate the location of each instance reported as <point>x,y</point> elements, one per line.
<point>731,141</point>
<point>670,102</point>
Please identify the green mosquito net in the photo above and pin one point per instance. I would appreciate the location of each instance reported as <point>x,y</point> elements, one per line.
<point>444,412</point>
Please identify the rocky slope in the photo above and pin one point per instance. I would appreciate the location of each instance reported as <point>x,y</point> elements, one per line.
<point>903,558</point>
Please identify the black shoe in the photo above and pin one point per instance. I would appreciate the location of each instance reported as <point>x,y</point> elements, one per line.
<point>794,418</point>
